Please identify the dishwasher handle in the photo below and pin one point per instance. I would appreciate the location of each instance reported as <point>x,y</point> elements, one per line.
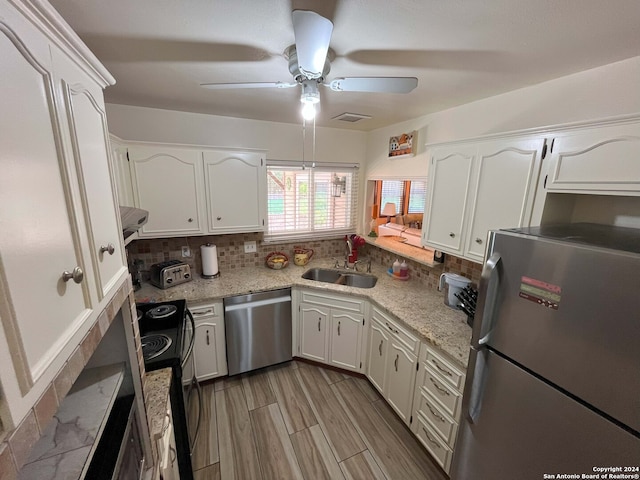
<point>257,303</point>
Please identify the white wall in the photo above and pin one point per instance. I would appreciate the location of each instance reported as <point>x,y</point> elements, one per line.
<point>281,140</point>
<point>602,92</point>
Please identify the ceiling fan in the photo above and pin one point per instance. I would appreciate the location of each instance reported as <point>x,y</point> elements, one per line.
<point>309,64</point>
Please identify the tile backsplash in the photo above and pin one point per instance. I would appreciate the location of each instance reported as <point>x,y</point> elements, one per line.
<point>231,255</point>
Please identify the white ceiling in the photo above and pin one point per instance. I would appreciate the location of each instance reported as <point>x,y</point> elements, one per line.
<point>159,51</point>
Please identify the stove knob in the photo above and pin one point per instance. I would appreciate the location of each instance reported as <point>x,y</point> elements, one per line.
<point>169,280</point>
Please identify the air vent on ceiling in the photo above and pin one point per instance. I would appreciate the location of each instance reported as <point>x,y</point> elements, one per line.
<point>351,117</point>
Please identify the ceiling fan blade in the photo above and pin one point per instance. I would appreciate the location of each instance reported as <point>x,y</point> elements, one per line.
<point>229,86</point>
<point>313,34</point>
<point>374,84</point>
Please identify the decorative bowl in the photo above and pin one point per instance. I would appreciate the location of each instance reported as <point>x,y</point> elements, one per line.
<point>277,260</point>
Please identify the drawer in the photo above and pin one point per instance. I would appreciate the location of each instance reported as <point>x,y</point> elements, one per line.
<point>408,340</point>
<point>206,310</point>
<point>451,374</point>
<point>333,301</point>
<point>440,421</point>
<point>433,443</point>
<point>449,399</point>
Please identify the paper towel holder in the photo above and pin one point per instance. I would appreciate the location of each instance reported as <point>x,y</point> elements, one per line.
<point>215,275</point>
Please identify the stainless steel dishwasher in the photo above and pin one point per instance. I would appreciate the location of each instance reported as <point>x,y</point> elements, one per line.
<point>258,330</point>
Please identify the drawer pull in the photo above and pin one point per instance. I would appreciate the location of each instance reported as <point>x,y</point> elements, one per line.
<point>479,241</point>
<point>435,414</point>
<point>438,386</point>
<point>208,337</point>
<point>396,362</point>
<point>203,313</point>
<point>380,347</point>
<point>319,324</point>
<point>443,370</point>
<point>392,329</point>
<point>452,235</point>
<point>338,328</point>
<point>434,442</point>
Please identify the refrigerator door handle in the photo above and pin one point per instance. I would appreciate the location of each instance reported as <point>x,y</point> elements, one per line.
<point>474,386</point>
<point>487,296</point>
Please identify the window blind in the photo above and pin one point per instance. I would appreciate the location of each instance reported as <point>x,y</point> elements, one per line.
<point>301,202</point>
<point>417,196</point>
<point>392,191</point>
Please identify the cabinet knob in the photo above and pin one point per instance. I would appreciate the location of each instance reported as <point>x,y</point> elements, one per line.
<point>190,220</point>
<point>218,218</point>
<point>109,248</point>
<point>479,241</point>
<point>77,275</point>
<point>452,235</point>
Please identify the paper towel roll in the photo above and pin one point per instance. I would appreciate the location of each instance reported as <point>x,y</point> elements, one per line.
<point>209,260</point>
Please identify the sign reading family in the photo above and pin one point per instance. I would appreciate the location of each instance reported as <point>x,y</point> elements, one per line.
<point>402,145</point>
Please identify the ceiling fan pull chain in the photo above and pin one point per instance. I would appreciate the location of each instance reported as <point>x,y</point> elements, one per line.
<point>304,141</point>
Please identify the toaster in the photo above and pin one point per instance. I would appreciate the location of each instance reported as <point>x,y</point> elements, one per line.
<point>170,273</point>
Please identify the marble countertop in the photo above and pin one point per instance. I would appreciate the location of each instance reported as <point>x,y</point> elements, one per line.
<point>67,444</point>
<point>156,390</point>
<point>419,307</point>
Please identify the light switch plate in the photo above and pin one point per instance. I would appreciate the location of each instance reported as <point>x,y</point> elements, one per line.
<point>250,247</point>
<point>186,252</point>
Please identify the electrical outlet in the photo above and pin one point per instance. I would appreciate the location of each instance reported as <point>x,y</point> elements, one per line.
<point>186,252</point>
<point>250,247</point>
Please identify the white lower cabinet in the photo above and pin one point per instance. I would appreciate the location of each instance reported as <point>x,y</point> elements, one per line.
<point>437,404</point>
<point>331,329</point>
<point>209,348</point>
<point>167,453</point>
<point>392,359</point>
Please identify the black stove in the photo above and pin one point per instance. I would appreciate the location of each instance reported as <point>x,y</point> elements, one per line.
<point>162,320</point>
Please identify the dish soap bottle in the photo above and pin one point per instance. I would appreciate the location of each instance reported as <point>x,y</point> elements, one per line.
<point>396,268</point>
<point>404,269</point>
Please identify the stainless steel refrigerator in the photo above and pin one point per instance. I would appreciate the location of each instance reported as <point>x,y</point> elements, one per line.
<point>553,385</point>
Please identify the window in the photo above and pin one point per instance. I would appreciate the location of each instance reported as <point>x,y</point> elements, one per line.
<point>301,203</point>
<point>408,196</point>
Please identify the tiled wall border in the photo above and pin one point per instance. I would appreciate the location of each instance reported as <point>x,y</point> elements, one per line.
<point>15,449</point>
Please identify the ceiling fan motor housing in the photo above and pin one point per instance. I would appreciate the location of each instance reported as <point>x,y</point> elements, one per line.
<point>294,69</point>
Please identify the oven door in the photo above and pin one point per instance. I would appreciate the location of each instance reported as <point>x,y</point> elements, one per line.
<point>191,388</point>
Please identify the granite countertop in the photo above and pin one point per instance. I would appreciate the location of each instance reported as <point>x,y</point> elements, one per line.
<point>419,307</point>
<point>156,391</point>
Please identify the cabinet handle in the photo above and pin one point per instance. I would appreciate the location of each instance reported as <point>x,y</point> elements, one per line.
<point>430,439</point>
<point>435,414</point>
<point>391,328</point>
<point>396,361</point>
<point>438,386</point>
<point>166,424</point>
<point>173,453</point>
<point>77,275</point>
<point>452,235</point>
<point>218,218</point>
<point>207,337</point>
<point>380,347</point>
<point>203,313</point>
<point>338,328</point>
<point>319,319</point>
<point>109,248</point>
<point>443,370</point>
<point>479,241</point>
<point>190,220</point>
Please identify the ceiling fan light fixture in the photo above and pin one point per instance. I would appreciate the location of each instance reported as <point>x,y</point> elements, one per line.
<point>308,111</point>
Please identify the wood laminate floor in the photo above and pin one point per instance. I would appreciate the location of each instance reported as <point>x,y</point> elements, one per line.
<point>302,421</point>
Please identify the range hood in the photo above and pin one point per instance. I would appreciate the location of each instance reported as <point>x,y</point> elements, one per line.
<point>132,219</point>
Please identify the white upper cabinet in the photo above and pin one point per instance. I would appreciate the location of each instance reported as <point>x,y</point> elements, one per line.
<point>167,182</point>
<point>86,123</point>
<point>40,238</point>
<point>478,186</point>
<point>235,184</point>
<point>602,159</point>
<point>449,177</point>
<point>503,189</point>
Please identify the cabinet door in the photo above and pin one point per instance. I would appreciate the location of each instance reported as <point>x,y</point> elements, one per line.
<point>40,234</point>
<point>346,334</point>
<point>449,175</point>
<point>209,349</point>
<point>122,174</point>
<point>503,188</point>
<point>86,125</point>
<point>314,332</point>
<point>167,182</point>
<point>235,185</point>
<point>378,354</point>
<point>401,377</point>
<point>597,159</point>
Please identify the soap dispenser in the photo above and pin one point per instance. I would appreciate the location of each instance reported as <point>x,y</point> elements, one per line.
<point>404,269</point>
<point>396,268</point>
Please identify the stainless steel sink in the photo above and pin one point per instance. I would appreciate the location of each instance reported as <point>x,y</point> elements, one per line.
<point>350,279</point>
